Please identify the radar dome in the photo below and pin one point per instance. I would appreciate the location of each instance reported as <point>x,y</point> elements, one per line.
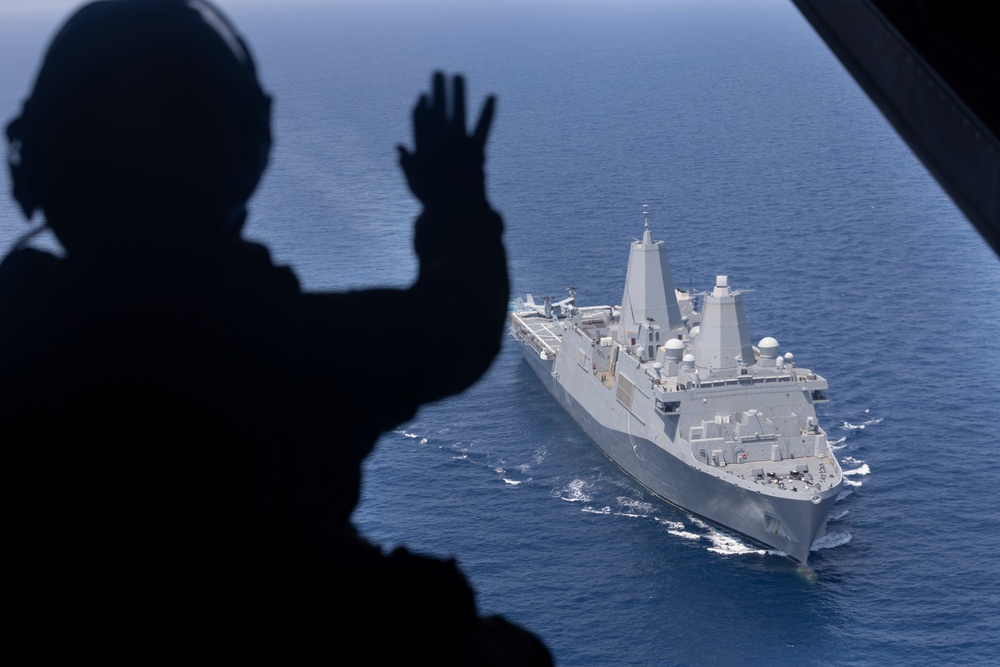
<point>674,348</point>
<point>768,347</point>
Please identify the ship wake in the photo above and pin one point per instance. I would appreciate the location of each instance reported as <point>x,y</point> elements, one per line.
<point>715,540</point>
<point>575,492</point>
<point>413,436</point>
<point>831,540</point>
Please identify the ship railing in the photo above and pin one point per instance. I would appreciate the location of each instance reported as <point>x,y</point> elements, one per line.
<point>757,437</point>
<point>538,344</point>
<point>735,382</point>
<point>522,332</point>
<point>544,346</point>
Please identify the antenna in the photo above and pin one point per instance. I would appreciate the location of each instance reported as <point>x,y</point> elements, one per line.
<point>645,215</point>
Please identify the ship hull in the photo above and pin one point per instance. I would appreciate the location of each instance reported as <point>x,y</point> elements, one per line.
<point>752,513</point>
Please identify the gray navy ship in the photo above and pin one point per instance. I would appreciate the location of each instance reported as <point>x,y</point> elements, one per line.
<point>684,403</point>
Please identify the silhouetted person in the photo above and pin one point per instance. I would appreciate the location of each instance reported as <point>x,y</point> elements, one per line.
<point>181,426</point>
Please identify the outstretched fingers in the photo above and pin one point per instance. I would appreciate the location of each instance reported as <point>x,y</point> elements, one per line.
<point>421,110</point>
<point>440,104</point>
<point>446,161</point>
<point>458,104</point>
<point>484,123</point>
<point>431,113</point>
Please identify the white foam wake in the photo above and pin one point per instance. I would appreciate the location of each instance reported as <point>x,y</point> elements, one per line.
<point>678,528</point>
<point>637,507</point>
<point>506,480</point>
<point>686,535</point>
<point>718,541</point>
<point>848,426</point>
<point>831,540</point>
<point>862,470</point>
<point>574,492</point>
<point>727,545</point>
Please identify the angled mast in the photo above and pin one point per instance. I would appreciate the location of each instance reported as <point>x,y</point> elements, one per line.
<point>649,287</point>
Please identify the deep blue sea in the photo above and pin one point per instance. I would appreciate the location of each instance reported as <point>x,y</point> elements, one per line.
<point>760,158</point>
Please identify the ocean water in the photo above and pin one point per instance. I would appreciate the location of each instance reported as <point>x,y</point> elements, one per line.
<point>760,159</point>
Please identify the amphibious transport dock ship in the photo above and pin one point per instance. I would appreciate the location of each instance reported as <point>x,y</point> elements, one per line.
<point>685,404</point>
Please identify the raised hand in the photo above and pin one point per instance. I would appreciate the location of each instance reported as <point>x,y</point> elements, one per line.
<point>445,167</point>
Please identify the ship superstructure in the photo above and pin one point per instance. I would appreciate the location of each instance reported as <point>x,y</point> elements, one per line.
<point>683,402</point>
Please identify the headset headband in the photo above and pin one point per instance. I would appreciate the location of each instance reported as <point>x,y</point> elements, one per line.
<point>63,70</point>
